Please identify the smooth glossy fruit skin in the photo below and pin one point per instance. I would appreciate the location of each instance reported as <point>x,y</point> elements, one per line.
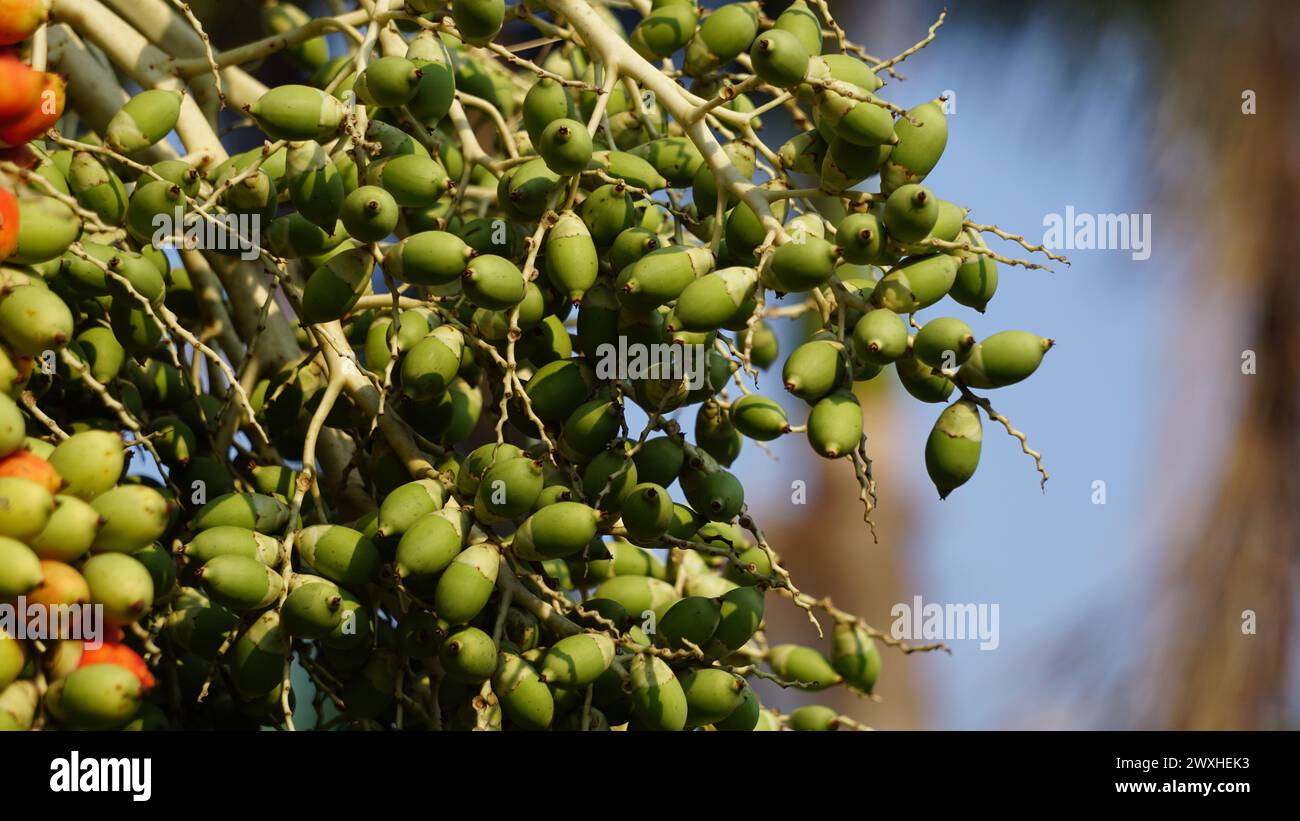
<point>814,369</point>
<point>711,695</point>
<point>20,88</point>
<point>100,697</point>
<point>526,700</point>
<point>779,58</point>
<point>38,119</point>
<point>952,452</point>
<point>716,299</point>
<point>800,21</point>
<point>467,584</point>
<point>256,659</point>
<point>855,656</point>
<point>428,258</point>
<point>426,549</point>
<point>647,510</point>
<point>759,417</point>
<point>13,657</point>
<point>589,429</point>
<point>121,584</point>
<point>804,667</point>
<point>369,213</point>
<point>555,531</point>
<point>508,489</point>
<point>911,212</point>
<point>813,718</point>
<point>578,660</point>
<point>657,696</point>
<point>401,508</point>
<point>861,237</point>
<point>608,211</point>
<point>919,148</point>
<point>9,217</point>
<point>69,532</point>
<point>729,31</point>
<point>240,582</point>
<point>944,342</point>
<point>915,283</point>
<point>880,337</point>
<point>638,594</point>
<point>437,86</point>
<point>312,609</point>
<point>572,263</point>
<point>20,569</point>
<point>46,228</point>
<point>23,464</point>
<point>334,288</point>
<point>835,425</point>
<point>714,493</point>
<point>428,368</point>
<point>860,122</point>
<point>297,112</point>
<point>659,460</point>
<point>96,187</point>
<point>493,282</point>
<point>661,275</point>
<point>692,619</point>
<point>21,19</point>
<point>744,718</point>
<point>977,277</point>
<point>565,145</point>
<point>478,21</point>
<point>920,381</point>
<point>136,516</point>
<point>61,585</point>
<point>1004,359</point>
<point>388,81</point>
<point>412,180</point>
<point>253,511</point>
<point>469,656</point>
<point>339,553</point>
<point>665,29</point>
<point>146,119</point>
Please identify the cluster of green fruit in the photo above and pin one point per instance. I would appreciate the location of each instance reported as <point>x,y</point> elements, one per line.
<point>487,553</point>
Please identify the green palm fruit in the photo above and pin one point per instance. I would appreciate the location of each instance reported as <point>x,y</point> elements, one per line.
<point>100,697</point>
<point>631,169</point>
<point>860,119</point>
<point>800,21</point>
<point>179,172</point>
<point>146,119</point>
<point>711,695</point>
<point>835,425</point>
<point>102,352</point>
<point>814,369</point>
<point>156,209</point>
<point>676,159</point>
<point>952,453</point>
<point>527,191</point>
<point>493,282</point>
<point>861,237</point>
<point>20,568</point>
<point>315,185</point>
<point>715,434</point>
<point>224,540</point>
<point>136,516</point>
<point>426,549</point>
<point>403,506</point>
<point>844,68</point>
<point>571,260</point>
<point>659,460</point>
<point>388,81</point>
<point>428,368</point>
<point>803,667</point>
<point>692,619</point>
<point>759,417</point>
<point>802,266</point>
<point>608,211</point>
<point>256,659</point>
<point>916,283</point>
<point>13,658</point>
<point>630,246</point>
<point>334,287</point>
<point>704,186</point>
<point>665,29</point>
<point>412,327</point>
<point>393,141</point>
<point>977,276</point>
<point>509,488</point>
<point>638,594</point>
<point>880,337</point>
<point>467,583</point>
<point>945,342</point>
<point>813,718</point>
<point>557,388</point>
<point>657,697</point>
<point>545,102</point>
<point>715,299</point>
<point>626,559</point>
<point>661,275</point>
<point>589,429</point>
<point>855,656</point>
<point>283,18</point>
<point>911,213</point>
<point>251,511</point>
<point>555,531</point>
<point>121,584</point>
<point>133,276</point>
<point>339,553</point>
<point>743,718</point>
<point>578,660</point>
<point>412,180</point>
<point>729,31</point>
<point>369,213</point>
<point>197,625</point>
<point>844,164</point>
<point>469,656</point>
<point>293,236</point>
<point>173,439</point>
<point>647,511</point>
<point>96,186</point>
<point>90,462</point>
<point>478,21</point>
<point>46,227</point>
<point>715,493</point>
<point>477,463</point>
<point>69,531</point>
<point>764,347</point>
<point>1003,359</point>
<point>919,380</point>
<point>428,258</point>
<point>524,697</point>
<point>34,320</point>
<point>608,477</point>
<point>493,235</point>
<point>354,627</point>
<point>565,145</point>
<point>240,582</point>
<point>919,147</point>
<point>779,58</point>
<point>805,152</point>
<point>296,112</point>
<point>162,569</point>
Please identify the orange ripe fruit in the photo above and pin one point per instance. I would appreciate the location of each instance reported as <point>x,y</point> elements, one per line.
<point>20,87</point>
<point>61,585</point>
<point>19,19</point>
<point>23,464</point>
<point>8,224</point>
<point>122,656</point>
<point>40,118</point>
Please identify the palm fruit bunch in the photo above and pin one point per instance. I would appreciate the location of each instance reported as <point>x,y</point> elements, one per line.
<point>418,411</point>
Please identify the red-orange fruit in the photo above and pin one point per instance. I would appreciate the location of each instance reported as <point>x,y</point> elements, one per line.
<point>40,118</point>
<point>23,464</point>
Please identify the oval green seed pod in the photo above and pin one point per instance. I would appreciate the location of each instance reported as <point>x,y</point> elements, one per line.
<point>692,619</point>
<point>571,260</point>
<point>630,168</point>
<point>102,352</point>
<point>657,697</point>
<point>911,213</point>
<point>739,616</point>
<point>921,382</point>
<point>231,540</point>
<point>647,511</point>
<point>240,582</point>
<point>659,460</point>
<point>835,425</point>
<point>945,342</point>
<point>589,429</point>
<point>162,569</point>
<point>638,594</point>
<point>545,102</point>
<point>666,29</point>
<point>608,477</point>
<point>136,516</point>
<point>716,494</point>
<point>861,237</point>
<point>711,695</point>
<point>428,368</point>
<point>813,718</point>
<point>256,659</point>
<point>476,464</point>
<point>509,488</point>
<point>744,718</point>
<point>437,86</point>
<point>1004,359</point>
<point>388,81</point>
<point>334,288</point>
<point>814,369</point>
<point>729,31</point>
<point>20,569</point>
<point>339,553</point>
<point>855,656</point>
<point>493,282</point>
<point>253,511</point>
<point>759,417</point>
<point>369,213</point>
<point>297,112</point>
<point>155,211</point>
<point>467,584</point>
<point>524,697</point>
<point>630,246</point>
<point>555,531</point>
<point>282,18</point>
<point>802,266</point>
<point>46,227</point>
<point>402,507</point>
<point>316,189</point>
<point>558,388</point>
<point>146,119</point>
<point>779,58</point>
<point>578,660</point>
<point>919,148</point>
<point>880,337</point>
<point>608,211</point>
<point>121,584</point>
<point>426,549</point>
<point>952,452</point>
<point>915,283</point>
<point>173,439</point>
<point>469,656</point>
<point>803,667</point>
<point>800,21</point>
<point>478,21</point>
<point>25,507</point>
<point>69,532</point>
<point>100,697</point>
<point>96,187</point>
<point>661,275</point>
<point>565,145</point>
<point>13,658</point>
<point>977,277</point>
<point>716,299</point>
<point>428,258</point>
<point>412,180</point>
<point>34,320</point>
<point>626,559</point>
<point>90,462</point>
